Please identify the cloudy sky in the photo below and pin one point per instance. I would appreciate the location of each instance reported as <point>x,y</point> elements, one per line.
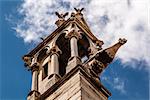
<point>23,22</point>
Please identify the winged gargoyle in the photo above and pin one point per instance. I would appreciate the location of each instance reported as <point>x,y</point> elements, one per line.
<point>78,11</point>
<point>104,57</point>
<point>61,18</point>
<point>27,59</point>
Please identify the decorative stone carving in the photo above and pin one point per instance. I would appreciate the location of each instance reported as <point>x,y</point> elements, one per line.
<point>95,67</point>
<point>78,11</point>
<point>72,16</point>
<point>102,58</point>
<point>61,18</point>
<point>99,44</point>
<point>35,67</point>
<point>49,79</point>
<point>96,47</point>
<point>54,50</point>
<point>74,31</point>
<point>75,34</point>
<point>28,60</point>
<point>111,51</point>
<point>122,41</point>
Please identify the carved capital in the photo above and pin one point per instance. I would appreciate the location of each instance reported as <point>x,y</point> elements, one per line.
<point>75,34</point>
<point>54,50</point>
<point>35,67</point>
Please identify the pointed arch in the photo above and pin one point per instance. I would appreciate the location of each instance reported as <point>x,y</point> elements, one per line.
<point>64,45</point>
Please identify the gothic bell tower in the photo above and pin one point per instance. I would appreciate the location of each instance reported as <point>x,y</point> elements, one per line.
<point>67,64</point>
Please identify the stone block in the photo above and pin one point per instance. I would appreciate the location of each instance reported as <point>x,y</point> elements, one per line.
<point>73,62</point>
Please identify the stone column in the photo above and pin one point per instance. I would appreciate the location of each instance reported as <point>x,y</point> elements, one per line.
<point>34,94</point>
<point>74,37</point>
<point>54,65</point>
<point>34,69</point>
<point>74,47</point>
<point>74,60</point>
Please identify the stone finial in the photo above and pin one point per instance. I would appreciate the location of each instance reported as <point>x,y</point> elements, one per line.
<point>61,18</point>
<point>78,11</point>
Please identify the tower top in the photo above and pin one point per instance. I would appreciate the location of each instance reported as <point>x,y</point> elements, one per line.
<point>70,49</point>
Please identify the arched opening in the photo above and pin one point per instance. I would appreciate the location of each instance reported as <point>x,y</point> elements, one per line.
<point>83,45</point>
<point>42,55</point>
<point>41,59</point>
<point>64,45</point>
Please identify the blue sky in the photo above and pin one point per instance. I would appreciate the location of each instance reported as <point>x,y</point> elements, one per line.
<point>127,77</point>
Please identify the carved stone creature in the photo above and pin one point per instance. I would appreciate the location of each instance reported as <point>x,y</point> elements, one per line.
<point>61,16</point>
<point>78,11</point>
<point>100,61</point>
<point>61,19</point>
<point>97,66</point>
<point>27,60</point>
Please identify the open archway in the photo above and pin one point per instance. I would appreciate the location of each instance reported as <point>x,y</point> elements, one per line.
<point>64,45</point>
<point>83,45</point>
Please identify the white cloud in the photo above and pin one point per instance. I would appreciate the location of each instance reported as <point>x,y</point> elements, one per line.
<point>119,84</point>
<point>108,20</point>
<point>115,83</point>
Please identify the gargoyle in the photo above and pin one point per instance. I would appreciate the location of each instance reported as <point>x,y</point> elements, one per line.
<point>27,60</point>
<point>104,57</point>
<point>61,16</point>
<point>79,10</point>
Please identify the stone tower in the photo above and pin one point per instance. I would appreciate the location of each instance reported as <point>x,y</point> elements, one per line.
<point>67,64</point>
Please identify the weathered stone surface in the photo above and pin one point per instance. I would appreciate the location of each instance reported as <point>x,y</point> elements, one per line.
<point>48,82</point>
<point>77,88</point>
<point>61,74</point>
<point>73,62</point>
